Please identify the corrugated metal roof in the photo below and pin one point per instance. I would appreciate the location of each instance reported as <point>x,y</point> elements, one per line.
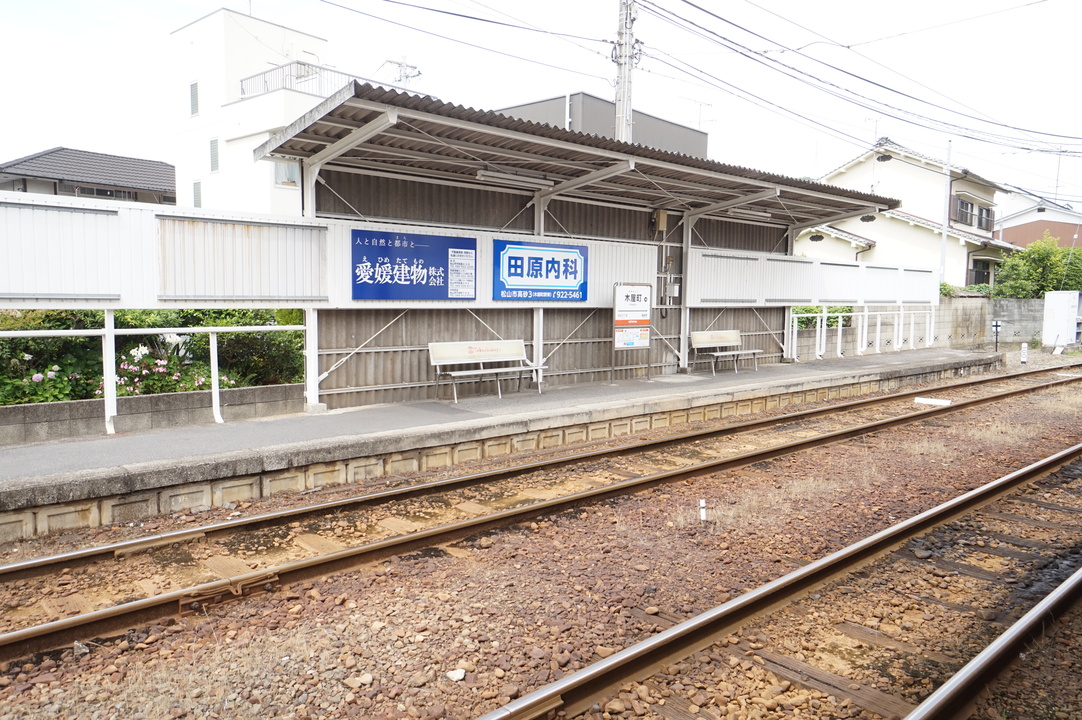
<point>80,166</point>
<point>380,131</point>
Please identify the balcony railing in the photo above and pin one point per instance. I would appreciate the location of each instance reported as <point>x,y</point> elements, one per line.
<point>299,76</point>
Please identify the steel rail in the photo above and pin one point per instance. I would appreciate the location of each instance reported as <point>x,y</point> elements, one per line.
<point>109,620</point>
<point>75,558</point>
<point>575,693</point>
<point>953,699</point>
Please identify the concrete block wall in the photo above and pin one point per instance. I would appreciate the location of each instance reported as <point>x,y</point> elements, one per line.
<point>50,421</point>
<point>959,323</point>
<point>397,460</point>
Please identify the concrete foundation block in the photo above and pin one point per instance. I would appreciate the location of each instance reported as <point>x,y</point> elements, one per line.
<point>234,490</point>
<point>619,428</point>
<point>712,412</point>
<point>401,463</point>
<point>640,424</point>
<point>550,439</point>
<point>361,469</point>
<point>185,497</point>
<point>128,508</point>
<point>527,442</point>
<point>436,458</point>
<point>661,420</point>
<point>599,431</point>
<point>497,447</point>
<point>66,517</point>
<point>292,480</point>
<point>728,410</point>
<point>16,526</point>
<point>574,434</point>
<point>325,474</point>
<point>678,417</point>
<point>467,452</point>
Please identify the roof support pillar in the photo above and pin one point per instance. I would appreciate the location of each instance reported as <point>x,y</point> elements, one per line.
<point>685,311</point>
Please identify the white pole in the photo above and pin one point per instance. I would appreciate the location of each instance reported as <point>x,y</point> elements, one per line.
<point>311,361</point>
<point>215,394</point>
<point>946,222</point>
<point>108,357</point>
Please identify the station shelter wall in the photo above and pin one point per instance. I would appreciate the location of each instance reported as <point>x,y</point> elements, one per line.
<point>393,365</point>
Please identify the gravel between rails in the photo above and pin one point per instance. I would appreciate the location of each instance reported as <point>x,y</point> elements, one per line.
<point>454,632</point>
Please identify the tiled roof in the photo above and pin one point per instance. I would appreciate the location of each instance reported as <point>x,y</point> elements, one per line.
<point>80,166</point>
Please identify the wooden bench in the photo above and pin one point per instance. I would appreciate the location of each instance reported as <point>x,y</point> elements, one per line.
<point>480,359</point>
<point>722,345</point>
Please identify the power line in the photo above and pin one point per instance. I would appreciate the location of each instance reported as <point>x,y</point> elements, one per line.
<point>463,42</point>
<point>836,90</point>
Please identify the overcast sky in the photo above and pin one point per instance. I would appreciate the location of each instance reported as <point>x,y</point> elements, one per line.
<point>927,73</point>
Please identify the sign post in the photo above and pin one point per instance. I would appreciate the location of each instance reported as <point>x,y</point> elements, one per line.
<point>632,305</point>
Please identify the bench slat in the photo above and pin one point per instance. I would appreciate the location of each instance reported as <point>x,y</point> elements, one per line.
<point>510,356</point>
<point>703,340</point>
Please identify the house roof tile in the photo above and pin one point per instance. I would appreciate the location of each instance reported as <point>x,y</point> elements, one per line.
<point>80,166</point>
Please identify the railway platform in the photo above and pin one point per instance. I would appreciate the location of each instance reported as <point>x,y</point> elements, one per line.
<point>49,486</point>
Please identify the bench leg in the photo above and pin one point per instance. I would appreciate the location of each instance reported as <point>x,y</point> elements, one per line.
<point>499,393</point>
<point>454,388</point>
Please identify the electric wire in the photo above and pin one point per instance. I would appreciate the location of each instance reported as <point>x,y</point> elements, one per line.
<point>832,88</point>
<point>866,80</point>
<point>463,42</point>
<point>849,47</point>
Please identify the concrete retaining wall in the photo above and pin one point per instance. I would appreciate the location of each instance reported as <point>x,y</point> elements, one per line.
<point>394,459</point>
<point>50,421</point>
<point>960,323</point>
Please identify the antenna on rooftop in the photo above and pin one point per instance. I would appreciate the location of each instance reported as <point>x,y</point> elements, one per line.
<point>405,71</point>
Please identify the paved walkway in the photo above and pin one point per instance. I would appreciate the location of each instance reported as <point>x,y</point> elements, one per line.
<point>190,444</point>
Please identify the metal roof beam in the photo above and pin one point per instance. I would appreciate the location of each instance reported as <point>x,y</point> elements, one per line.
<point>693,215</point>
<point>619,168</point>
<point>354,138</point>
<point>312,116</point>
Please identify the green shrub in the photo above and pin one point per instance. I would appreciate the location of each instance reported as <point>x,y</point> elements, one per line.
<point>832,322</point>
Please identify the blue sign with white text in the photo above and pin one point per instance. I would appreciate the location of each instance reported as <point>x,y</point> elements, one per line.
<point>533,271</point>
<point>405,266</point>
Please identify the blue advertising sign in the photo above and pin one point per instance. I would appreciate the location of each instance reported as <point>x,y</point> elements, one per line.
<point>405,266</point>
<point>532,271</point>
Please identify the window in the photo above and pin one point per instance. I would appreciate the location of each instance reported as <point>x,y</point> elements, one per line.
<point>962,211</point>
<point>193,92</point>
<point>214,155</point>
<point>197,194</point>
<point>981,274</point>
<point>65,189</point>
<point>287,173</point>
<point>986,218</point>
<point>125,195</point>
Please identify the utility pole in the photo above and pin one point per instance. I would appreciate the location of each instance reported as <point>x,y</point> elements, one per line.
<point>946,222</point>
<point>626,55</point>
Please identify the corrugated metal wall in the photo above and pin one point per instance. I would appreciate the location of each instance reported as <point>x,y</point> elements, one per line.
<point>65,252</point>
<point>394,365</point>
<point>430,203</point>
<point>241,261</point>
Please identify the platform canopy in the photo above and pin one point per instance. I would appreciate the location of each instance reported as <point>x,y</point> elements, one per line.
<point>378,131</point>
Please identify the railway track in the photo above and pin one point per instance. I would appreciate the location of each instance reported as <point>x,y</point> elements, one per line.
<point>186,571</point>
<point>994,558</point>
